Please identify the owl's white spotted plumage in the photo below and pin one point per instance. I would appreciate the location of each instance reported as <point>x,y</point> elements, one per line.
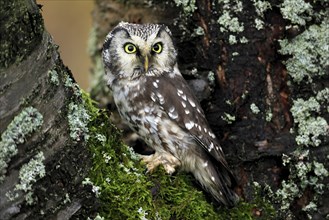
<point>156,102</point>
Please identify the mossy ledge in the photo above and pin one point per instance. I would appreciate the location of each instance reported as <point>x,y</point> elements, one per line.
<point>126,191</point>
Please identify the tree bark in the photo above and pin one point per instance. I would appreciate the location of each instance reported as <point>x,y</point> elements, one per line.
<point>234,56</point>
<point>42,166</point>
<point>254,89</point>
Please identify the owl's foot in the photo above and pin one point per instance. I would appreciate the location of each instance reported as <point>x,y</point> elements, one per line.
<point>168,161</point>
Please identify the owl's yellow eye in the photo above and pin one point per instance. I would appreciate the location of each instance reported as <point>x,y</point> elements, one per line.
<point>157,48</point>
<point>130,48</point>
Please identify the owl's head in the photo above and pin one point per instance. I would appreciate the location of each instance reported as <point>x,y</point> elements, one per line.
<point>133,50</point>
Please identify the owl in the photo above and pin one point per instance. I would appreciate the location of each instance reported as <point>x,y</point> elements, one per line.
<point>156,102</point>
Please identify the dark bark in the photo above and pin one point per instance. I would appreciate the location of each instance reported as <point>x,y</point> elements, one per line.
<point>250,81</point>
<point>247,74</point>
<point>33,75</point>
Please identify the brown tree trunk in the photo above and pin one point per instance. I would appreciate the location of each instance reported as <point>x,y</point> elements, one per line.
<point>43,160</point>
<point>254,89</point>
<point>230,53</point>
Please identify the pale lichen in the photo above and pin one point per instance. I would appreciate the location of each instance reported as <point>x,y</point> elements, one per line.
<point>269,115</point>
<point>309,127</point>
<point>305,173</point>
<point>232,39</point>
<point>53,76</point>
<point>211,77</point>
<point>198,31</point>
<point>297,11</point>
<point>188,6</point>
<point>78,119</point>
<point>229,23</point>
<point>17,132</point>
<point>310,53</point>
<point>29,174</point>
<point>228,118</point>
<point>260,7</point>
<point>254,108</point>
<point>69,83</point>
<point>94,188</point>
<point>259,24</point>
<point>243,40</point>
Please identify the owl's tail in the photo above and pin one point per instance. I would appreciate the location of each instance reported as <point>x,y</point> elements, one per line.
<point>217,180</point>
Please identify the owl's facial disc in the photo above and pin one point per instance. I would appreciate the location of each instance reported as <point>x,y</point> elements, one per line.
<point>143,54</point>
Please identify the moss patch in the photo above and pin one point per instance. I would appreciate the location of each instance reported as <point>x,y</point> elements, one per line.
<point>126,191</point>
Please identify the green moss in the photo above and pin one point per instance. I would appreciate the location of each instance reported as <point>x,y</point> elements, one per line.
<point>126,191</point>
<point>21,127</point>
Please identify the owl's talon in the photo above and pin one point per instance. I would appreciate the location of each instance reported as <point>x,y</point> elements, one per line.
<point>168,161</point>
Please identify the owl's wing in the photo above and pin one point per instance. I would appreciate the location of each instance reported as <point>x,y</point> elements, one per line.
<point>177,100</point>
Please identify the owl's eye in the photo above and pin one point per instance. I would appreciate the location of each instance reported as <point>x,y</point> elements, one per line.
<point>157,48</point>
<point>130,48</point>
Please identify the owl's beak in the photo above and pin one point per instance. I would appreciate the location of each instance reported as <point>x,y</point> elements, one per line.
<point>146,63</point>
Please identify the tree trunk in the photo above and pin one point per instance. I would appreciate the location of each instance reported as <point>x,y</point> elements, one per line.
<point>260,69</point>
<point>43,154</point>
<point>265,99</point>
